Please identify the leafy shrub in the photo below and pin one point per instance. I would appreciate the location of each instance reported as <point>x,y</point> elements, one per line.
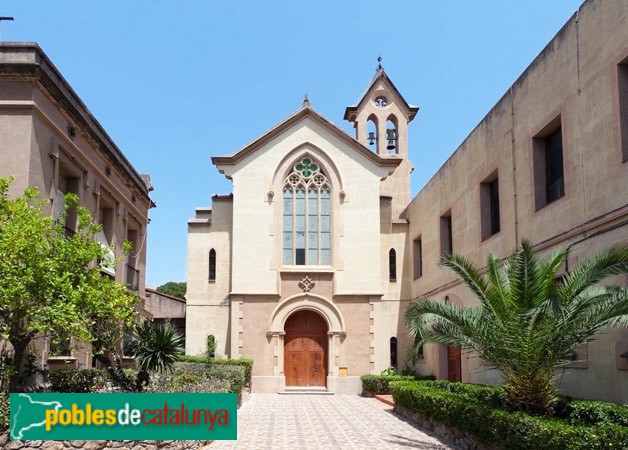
<point>156,346</point>
<point>492,395</point>
<point>169,382</point>
<point>73,380</point>
<point>378,384</point>
<point>185,379</point>
<point>391,371</point>
<point>463,408</point>
<point>211,346</point>
<point>201,377</point>
<point>235,376</point>
<point>409,371</point>
<point>588,412</point>
<point>247,363</point>
<point>4,412</point>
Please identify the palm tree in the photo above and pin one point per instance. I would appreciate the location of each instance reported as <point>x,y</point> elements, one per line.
<point>156,347</point>
<point>530,320</point>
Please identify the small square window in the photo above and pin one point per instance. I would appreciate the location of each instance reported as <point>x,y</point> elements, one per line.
<point>60,347</point>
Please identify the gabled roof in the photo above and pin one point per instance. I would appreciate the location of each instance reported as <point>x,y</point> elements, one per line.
<point>305,112</point>
<point>351,111</point>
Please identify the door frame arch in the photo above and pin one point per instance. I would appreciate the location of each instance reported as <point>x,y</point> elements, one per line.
<point>306,301</point>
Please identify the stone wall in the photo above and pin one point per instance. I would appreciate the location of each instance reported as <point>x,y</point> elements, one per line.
<point>459,438</point>
<point>98,445</point>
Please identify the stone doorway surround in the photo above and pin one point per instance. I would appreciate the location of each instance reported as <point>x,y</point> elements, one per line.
<point>336,335</point>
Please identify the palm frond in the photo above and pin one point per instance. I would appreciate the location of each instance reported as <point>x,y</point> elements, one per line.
<point>603,264</point>
<point>498,294</point>
<point>468,273</point>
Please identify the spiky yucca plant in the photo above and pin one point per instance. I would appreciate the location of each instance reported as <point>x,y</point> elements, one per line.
<point>530,320</point>
<point>156,347</point>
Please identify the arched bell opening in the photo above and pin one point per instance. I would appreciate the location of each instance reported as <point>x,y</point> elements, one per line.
<point>372,133</point>
<point>392,136</point>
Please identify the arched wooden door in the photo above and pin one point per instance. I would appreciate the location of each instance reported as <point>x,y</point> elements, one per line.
<point>305,350</point>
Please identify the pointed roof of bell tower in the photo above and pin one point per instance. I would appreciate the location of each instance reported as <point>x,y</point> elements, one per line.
<point>381,82</point>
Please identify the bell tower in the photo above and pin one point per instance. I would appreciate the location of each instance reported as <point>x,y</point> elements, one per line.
<point>381,120</point>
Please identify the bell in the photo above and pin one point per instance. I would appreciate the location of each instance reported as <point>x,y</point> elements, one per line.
<point>371,137</point>
<point>390,135</point>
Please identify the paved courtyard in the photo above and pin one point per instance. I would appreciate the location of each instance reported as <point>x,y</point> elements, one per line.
<point>272,421</point>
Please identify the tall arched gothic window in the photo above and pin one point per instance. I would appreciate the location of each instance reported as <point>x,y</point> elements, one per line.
<point>306,215</point>
<point>392,265</point>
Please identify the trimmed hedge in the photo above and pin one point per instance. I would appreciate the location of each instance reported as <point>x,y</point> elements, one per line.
<point>588,412</point>
<point>379,384</point>
<point>464,408</point>
<point>198,377</point>
<point>247,363</point>
<point>192,374</point>
<point>81,380</point>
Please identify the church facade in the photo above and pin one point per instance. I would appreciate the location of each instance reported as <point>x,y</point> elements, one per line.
<point>290,269</point>
<point>308,266</point>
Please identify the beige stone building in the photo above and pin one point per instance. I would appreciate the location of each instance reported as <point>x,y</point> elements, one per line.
<point>308,266</point>
<point>49,139</point>
<point>164,308</point>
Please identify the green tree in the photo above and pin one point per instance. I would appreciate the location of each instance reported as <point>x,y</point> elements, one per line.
<point>530,320</point>
<point>156,347</point>
<point>50,282</point>
<point>174,288</point>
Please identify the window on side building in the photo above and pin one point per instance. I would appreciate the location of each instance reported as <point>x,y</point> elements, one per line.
<point>548,160</point>
<point>418,258</point>
<point>489,206</point>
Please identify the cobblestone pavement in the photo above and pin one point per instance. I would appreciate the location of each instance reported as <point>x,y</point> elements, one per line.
<point>272,421</point>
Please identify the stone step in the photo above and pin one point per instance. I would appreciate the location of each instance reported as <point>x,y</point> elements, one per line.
<point>388,399</point>
<point>306,390</point>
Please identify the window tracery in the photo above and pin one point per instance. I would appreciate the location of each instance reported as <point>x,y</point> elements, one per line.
<point>306,215</point>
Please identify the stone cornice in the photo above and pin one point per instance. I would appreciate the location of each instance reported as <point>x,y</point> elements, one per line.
<point>26,60</point>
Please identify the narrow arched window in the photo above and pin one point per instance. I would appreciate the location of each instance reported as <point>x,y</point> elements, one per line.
<point>307,215</point>
<point>392,264</point>
<point>212,265</point>
<point>393,352</point>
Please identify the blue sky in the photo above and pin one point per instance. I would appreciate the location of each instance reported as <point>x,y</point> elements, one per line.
<point>174,83</point>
